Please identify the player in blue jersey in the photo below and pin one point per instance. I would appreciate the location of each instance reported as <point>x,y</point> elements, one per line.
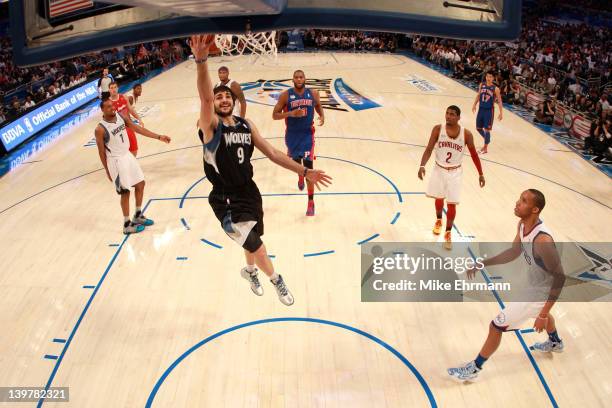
<point>297,105</point>
<point>488,94</point>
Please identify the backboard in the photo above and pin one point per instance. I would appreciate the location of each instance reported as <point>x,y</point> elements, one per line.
<point>40,35</point>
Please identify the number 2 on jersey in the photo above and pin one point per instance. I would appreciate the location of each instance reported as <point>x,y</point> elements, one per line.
<point>449,155</point>
<point>240,153</point>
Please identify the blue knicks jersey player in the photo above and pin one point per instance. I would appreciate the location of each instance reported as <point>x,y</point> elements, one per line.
<point>488,94</point>
<point>297,105</point>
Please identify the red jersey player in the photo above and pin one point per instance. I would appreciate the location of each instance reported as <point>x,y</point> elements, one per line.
<point>125,108</point>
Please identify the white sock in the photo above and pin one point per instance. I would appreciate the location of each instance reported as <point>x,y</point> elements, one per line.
<point>274,277</point>
<point>250,268</point>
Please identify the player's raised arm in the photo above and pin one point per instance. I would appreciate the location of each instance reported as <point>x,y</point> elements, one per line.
<point>469,141</point>
<point>477,100</point>
<point>237,90</point>
<point>145,132</point>
<point>276,156</point>
<point>200,46</point>
<point>318,107</point>
<point>435,134</point>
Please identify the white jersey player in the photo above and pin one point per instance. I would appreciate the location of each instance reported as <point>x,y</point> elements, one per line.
<point>546,279</point>
<point>449,142</point>
<point>240,103</point>
<point>121,167</point>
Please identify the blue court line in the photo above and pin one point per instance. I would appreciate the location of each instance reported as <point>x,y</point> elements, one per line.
<point>59,340</point>
<point>535,366</point>
<point>532,330</point>
<point>89,287</point>
<point>185,224</point>
<point>113,245</point>
<point>368,239</point>
<point>83,313</point>
<point>212,244</point>
<point>181,258</point>
<point>396,217</point>
<point>319,253</point>
<point>188,190</point>
<point>399,195</point>
<point>369,336</point>
<point>50,357</point>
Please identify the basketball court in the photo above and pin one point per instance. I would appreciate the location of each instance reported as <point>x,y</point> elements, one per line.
<point>163,318</point>
<point>118,312</point>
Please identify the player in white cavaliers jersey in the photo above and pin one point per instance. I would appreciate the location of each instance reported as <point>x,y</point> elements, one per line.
<point>121,167</point>
<point>546,279</point>
<point>240,104</point>
<point>449,142</point>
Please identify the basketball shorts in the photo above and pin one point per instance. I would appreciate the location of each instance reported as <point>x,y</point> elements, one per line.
<point>300,144</point>
<point>516,314</point>
<point>445,184</point>
<point>133,140</point>
<point>125,172</point>
<point>484,119</point>
<point>241,215</point>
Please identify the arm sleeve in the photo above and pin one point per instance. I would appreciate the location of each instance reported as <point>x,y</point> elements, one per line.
<point>475,159</point>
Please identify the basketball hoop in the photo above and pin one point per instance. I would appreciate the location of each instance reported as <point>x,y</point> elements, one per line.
<point>253,43</point>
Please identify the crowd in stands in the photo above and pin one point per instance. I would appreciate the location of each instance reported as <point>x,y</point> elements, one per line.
<point>351,40</point>
<point>21,89</point>
<point>570,64</point>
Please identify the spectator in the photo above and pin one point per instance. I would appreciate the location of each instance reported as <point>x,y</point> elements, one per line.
<point>600,142</point>
<point>603,106</point>
<point>40,95</point>
<point>15,108</point>
<point>29,103</point>
<point>546,112</point>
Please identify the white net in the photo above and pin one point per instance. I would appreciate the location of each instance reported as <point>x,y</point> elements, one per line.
<point>252,43</point>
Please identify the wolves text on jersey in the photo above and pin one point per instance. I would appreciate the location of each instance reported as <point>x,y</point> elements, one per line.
<point>118,129</point>
<point>237,138</point>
